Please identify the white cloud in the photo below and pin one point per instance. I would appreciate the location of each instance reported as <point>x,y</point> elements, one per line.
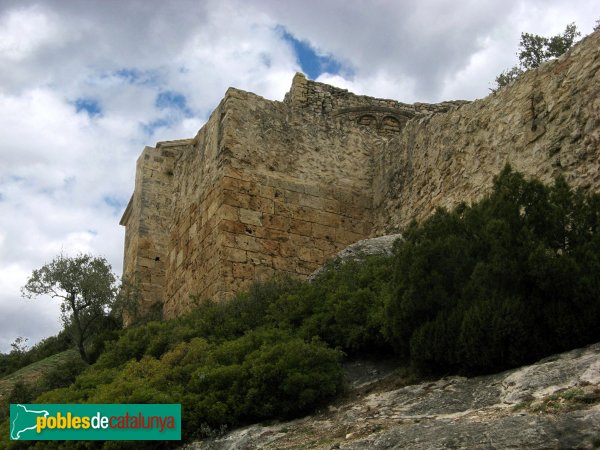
<point>23,32</point>
<point>61,170</point>
<point>424,44</point>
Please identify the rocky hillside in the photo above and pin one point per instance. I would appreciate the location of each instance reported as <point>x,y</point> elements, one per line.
<point>554,403</point>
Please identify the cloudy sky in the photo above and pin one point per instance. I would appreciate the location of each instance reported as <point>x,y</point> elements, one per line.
<point>85,85</point>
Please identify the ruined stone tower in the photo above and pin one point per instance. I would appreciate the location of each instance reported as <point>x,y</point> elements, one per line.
<point>268,186</point>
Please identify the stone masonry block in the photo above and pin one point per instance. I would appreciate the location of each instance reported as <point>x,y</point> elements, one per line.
<point>250,217</point>
<point>237,185</point>
<point>234,254</point>
<point>250,243</point>
<point>243,270</point>
<point>229,212</point>
<point>272,234</point>
<point>323,217</point>
<point>260,258</point>
<point>348,237</point>
<point>233,227</point>
<point>276,222</point>
<point>266,191</point>
<point>323,232</point>
<point>284,263</point>
<point>270,246</point>
<point>263,273</point>
<point>301,227</point>
<point>306,267</point>
<point>309,254</point>
<point>328,247</point>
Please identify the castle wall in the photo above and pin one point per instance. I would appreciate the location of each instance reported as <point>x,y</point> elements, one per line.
<point>263,189</point>
<point>546,124</point>
<point>271,187</point>
<point>193,264</point>
<point>146,222</point>
<point>296,191</point>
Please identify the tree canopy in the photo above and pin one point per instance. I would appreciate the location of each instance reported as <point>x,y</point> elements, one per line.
<point>535,49</point>
<point>86,287</point>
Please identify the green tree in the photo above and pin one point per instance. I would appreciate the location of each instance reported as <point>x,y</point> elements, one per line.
<point>86,287</point>
<point>559,44</point>
<point>534,50</point>
<point>19,345</point>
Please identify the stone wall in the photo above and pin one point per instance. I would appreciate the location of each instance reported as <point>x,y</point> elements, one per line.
<point>545,124</point>
<point>145,219</point>
<point>271,187</point>
<point>262,190</point>
<point>193,265</point>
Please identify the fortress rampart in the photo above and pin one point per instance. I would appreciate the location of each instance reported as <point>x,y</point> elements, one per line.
<point>267,187</point>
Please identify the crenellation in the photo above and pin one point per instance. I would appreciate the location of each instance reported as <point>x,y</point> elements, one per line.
<point>270,187</point>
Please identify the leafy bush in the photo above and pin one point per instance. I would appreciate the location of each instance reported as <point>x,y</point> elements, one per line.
<point>267,373</point>
<point>504,282</point>
<point>63,374</point>
<point>343,306</point>
<point>216,321</point>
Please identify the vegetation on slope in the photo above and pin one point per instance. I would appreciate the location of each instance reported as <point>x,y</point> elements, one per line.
<point>479,289</point>
<point>35,377</point>
<point>20,356</point>
<point>504,282</point>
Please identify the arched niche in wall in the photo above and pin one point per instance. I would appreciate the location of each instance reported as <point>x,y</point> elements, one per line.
<point>378,119</point>
<point>368,120</point>
<point>391,124</point>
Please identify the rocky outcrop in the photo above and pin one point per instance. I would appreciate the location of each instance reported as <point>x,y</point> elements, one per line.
<point>552,404</point>
<point>375,246</point>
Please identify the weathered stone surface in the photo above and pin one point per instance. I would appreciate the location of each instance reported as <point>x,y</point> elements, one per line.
<point>283,186</point>
<point>455,412</point>
<point>147,249</point>
<point>545,124</point>
<point>373,246</point>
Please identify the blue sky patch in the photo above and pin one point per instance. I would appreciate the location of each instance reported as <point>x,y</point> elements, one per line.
<point>139,77</point>
<point>114,202</point>
<point>150,127</point>
<point>311,63</point>
<point>174,100</point>
<point>88,105</point>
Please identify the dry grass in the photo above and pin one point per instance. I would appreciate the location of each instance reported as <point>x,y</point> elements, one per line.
<point>31,373</point>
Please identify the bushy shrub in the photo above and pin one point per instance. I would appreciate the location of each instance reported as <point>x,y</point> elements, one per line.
<point>267,373</point>
<point>216,321</point>
<point>63,374</point>
<point>343,306</point>
<point>503,282</point>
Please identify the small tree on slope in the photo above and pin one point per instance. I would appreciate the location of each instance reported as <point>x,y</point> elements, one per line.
<point>86,287</point>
